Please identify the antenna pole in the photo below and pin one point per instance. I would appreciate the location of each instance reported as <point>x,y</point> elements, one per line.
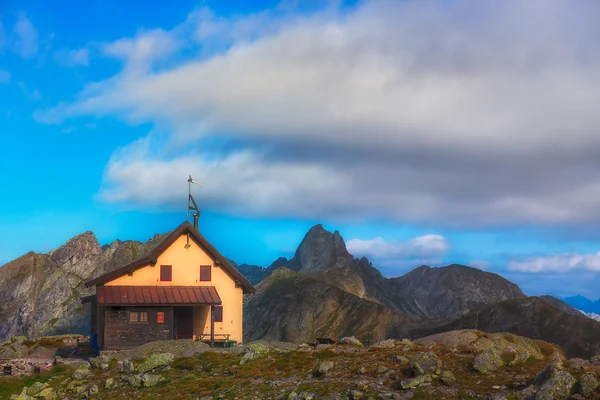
<point>189,194</point>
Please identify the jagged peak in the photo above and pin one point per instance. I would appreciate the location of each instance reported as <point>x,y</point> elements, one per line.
<point>86,242</point>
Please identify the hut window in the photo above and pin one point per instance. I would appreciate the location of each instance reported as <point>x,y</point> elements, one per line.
<point>144,317</point>
<point>133,316</point>
<point>205,273</point>
<point>160,317</point>
<point>218,310</point>
<point>165,273</point>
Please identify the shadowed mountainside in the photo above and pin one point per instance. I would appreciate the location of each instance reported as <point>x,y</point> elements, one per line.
<point>532,317</point>
<point>290,306</point>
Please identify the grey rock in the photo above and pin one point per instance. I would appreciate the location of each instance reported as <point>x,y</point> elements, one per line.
<point>414,382</point>
<point>588,385</point>
<point>149,380</point>
<point>488,361</point>
<point>381,369</point>
<point>81,373</point>
<point>128,366</point>
<point>350,340</point>
<point>399,359</point>
<point>93,390</point>
<point>557,387</point>
<point>325,367</point>
<point>134,380</point>
<point>109,384</point>
<point>155,361</point>
<point>447,378</point>
<point>425,362</point>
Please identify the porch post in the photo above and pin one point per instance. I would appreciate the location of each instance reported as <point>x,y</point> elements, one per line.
<point>212,326</point>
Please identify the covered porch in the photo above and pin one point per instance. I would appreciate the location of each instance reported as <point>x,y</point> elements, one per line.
<point>128,316</point>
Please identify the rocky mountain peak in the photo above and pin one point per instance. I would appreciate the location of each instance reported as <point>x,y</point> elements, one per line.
<point>320,250</point>
<point>80,246</point>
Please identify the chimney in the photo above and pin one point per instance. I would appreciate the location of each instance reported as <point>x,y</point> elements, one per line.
<point>196,215</point>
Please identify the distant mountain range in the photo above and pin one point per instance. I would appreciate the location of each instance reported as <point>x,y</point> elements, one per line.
<point>323,291</point>
<point>584,304</point>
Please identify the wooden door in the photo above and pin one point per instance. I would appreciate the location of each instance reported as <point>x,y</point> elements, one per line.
<point>184,322</point>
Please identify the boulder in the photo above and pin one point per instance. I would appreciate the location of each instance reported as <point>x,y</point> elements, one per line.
<point>154,361</point>
<point>520,348</point>
<point>381,369</point>
<point>149,380</point>
<point>325,367</point>
<point>488,361</point>
<point>526,394</point>
<point>128,366</point>
<point>109,384</point>
<point>81,373</point>
<point>47,394</point>
<point>385,344</point>
<point>93,390</point>
<point>35,389</point>
<point>99,362</point>
<point>557,387</point>
<point>588,385</point>
<point>541,377</point>
<point>351,340</point>
<point>425,362</point>
<point>399,359</point>
<point>414,382</point>
<point>357,395</point>
<point>134,380</point>
<point>578,363</point>
<point>447,378</point>
<point>254,350</point>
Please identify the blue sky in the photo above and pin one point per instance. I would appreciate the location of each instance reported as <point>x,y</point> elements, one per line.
<point>425,132</point>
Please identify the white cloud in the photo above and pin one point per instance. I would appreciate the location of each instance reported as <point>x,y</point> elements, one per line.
<point>145,48</point>
<point>239,183</point>
<point>422,247</point>
<point>481,264</point>
<point>73,58</point>
<point>4,76</point>
<point>26,37</point>
<point>412,111</point>
<point>558,263</point>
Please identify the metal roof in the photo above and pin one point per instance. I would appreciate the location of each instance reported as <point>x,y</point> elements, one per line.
<point>156,295</point>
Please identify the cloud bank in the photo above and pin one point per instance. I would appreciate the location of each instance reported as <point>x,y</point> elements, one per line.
<point>560,263</point>
<point>461,113</point>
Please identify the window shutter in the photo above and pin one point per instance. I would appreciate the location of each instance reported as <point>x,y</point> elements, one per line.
<point>133,316</point>
<point>165,273</point>
<point>205,273</point>
<point>218,310</point>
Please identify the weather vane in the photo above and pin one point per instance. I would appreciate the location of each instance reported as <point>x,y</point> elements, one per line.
<point>192,206</point>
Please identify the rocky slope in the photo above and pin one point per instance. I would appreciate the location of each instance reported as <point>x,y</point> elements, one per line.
<point>455,365</point>
<point>562,305</point>
<point>40,293</point>
<point>535,318</point>
<point>296,307</point>
<point>448,292</point>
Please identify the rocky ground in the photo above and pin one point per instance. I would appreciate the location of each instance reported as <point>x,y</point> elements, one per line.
<point>464,364</point>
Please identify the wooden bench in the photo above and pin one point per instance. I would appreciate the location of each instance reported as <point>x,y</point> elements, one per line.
<point>221,338</point>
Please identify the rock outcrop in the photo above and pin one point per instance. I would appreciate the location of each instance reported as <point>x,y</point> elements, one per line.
<point>534,318</point>
<point>40,293</point>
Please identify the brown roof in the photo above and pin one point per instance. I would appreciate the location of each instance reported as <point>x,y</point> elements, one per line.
<point>151,259</point>
<point>156,295</point>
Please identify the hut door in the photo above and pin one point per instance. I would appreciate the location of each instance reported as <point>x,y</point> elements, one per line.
<point>184,320</point>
